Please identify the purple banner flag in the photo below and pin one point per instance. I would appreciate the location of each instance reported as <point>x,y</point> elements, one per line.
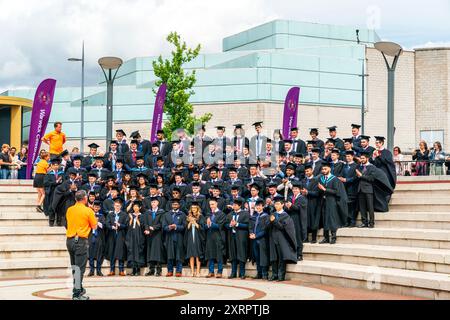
<point>42,106</point>
<point>290,111</point>
<point>158,111</point>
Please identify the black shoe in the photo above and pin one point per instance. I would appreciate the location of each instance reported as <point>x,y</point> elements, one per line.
<point>333,241</point>
<point>265,277</point>
<point>39,209</point>
<point>313,241</point>
<point>324,240</point>
<point>300,258</point>
<point>257,277</point>
<point>99,273</point>
<point>91,273</point>
<point>281,279</point>
<point>158,274</point>
<point>371,226</point>
<point>83,292</point>
<point>51,223</point>
<point>242,277</point>
<point>363,225</point>
<point>232,276</point>
<point>351,225</point>
<point>80,298</point>
<point>273,278</point>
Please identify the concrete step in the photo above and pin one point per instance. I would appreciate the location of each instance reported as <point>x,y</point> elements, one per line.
<point>17,195</point>
<point>17,189</point>
<point>11,209</point>
<point>37,249</point>
<point>407,207</point>
<point>402,237</point>
<point>18,201</point>
<point>421,194</point>
<point>406,282</point>
<point>16,182</point>
<point>419,259</point>
<point>422,187</point>
<point>421,200</point>
<point>413,220</point>
<point>31,233</point>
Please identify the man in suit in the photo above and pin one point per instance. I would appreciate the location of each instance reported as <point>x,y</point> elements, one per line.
<point>316,162</point>
<point>131,155</point>
<point>144,146</point>
<point>258,141</point>
<point>365,147</point>
<point>356,137</point>
<point>122,146</point>
<point>164,146</point>
<point>100,170</point>
<point>298,145</point>
<point>365,173</point>
<point>221,141</point>
<point>112,156</point>
<point>89,160</point>
<point>200,142</point>
<point>348,177</point>
<point>239,140</point>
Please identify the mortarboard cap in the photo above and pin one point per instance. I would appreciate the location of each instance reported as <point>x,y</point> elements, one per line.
<point>154,199</point>
<point>326,164</point>
<point>56,160</point>
<point>134,141</point>
<point>239,201</point>
<point>64,153</point>
<point>333,128</point>
<point>93,145</point>
<point>349,140</point>
<point>308,166</point>
<point>175,200</point>
<point>297,184</point>
<point>356,126</point>
<point>378,138</point>
<point>294,129</point>
<point>317,150</point>
<point>313,130</point>
<point>256,186</point>
<point>336,150</point>
<point>259,202</point>
<point>160,132</point>
<point>287,141</point>
<point>113,142</point>
<point>365,153</point>
<point>330,140</point>
<point>238,126</point>
<point>135,134</point>
<point>97,203</point>
<point>258,123</point>
<point>350,152</point>
<point>313,142</point>
<point>92,174</point>
<point>99,158</point>
<point>272,185</point>
<point>118,199</point>
<point>278,199</point>
<point>365,137</point>
<point>290,166</point>
<point>121,131</point>
<point>77,157</point>
<point>220,127</point>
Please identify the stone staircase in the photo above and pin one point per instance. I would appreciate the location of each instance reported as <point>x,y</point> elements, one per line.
<point>407,253</point>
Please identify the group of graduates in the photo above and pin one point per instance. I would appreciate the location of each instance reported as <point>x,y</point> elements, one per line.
<point>218,200</point>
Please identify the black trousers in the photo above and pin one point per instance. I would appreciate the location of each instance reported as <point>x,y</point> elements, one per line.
<point>352,211</point>
<point>78,252</point>
<point>366,208</point>
<point>279,266</point>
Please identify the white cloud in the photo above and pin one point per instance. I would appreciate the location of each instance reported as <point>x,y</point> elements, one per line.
<point>39,36</point>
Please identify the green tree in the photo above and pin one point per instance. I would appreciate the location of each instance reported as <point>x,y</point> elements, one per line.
<point>179,87</point>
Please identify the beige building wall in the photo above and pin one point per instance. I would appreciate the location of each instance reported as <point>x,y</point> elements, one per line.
<point>376,106</point>
<point>432,92</point>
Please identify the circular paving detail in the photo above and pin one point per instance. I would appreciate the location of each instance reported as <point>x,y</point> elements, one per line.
<point>149,288</point>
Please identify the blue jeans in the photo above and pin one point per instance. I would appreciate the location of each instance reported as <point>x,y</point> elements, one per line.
<point>170,264</point>
<point>219,266</point>
<point>4,174</point>
<point>234,265</point>
<point>121,265</point>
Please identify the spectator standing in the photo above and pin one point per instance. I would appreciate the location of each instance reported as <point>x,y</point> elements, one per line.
<point>5,162</point>
<point>437,156</point>
<point>22,159</point>
<point>38,183</point>
<point>15,165</point>
<point>422,156</point>
<point>398,158</point>
<point>56,140</point>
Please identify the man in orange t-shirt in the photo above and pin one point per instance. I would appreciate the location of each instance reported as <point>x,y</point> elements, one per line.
<point>56,140</point>
<point>80,222</point>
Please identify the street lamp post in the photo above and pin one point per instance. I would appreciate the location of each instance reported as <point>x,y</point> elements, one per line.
<point>393,50</point>
<point>82,97</point>
<point>108,64</point>
<point>363,76</point>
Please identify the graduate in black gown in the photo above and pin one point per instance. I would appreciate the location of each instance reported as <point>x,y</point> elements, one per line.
<point>174,225</point>
<point>52,179</point>
<point>332,203</point>
<point>154,240</point>
<point>350,180</point>
<point>194,238</point>
<point>215,238</point>
<point>116,224</point>
<point>311,191</point>
<point>259,240</point>
<point>282,239</point>
<point>97,241</point>
<point>64,198</point>
<point>135,239</point>
<point>297,208</point>
<point>237,225</point>
<point>384,160</point>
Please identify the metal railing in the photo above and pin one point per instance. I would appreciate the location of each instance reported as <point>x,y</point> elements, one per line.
<point>422,167</point>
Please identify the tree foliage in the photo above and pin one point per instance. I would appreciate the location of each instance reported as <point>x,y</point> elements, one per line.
<point>179,87</point>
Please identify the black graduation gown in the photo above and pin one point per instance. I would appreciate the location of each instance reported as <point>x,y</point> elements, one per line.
<point>382,189</point>
<point>115,239</point>
<point>333,203</point>
<point>135,242</point>
<point>351,183</point>
<point>336,168</point>
<point>174,239</point>
<point>50,185</point>
<point>215,237</point>
<point>63,199</point>
<point>154,241</point>
<point>313,209</point>
<point>97,240</point>
<point>238,241</point>
<point>385,162</point>
<point>260,229</point>
<point>95,188</point>
<point>195,243</point>
<point>282,235</point>
<point>146,203</point>
<point>87,162</point>
<point>299,214</point>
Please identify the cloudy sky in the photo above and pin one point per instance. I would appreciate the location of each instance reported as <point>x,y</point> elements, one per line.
<point>38,36</point>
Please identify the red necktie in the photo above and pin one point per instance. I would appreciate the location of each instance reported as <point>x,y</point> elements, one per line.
<point>134,156</point>
<point>293,199</point>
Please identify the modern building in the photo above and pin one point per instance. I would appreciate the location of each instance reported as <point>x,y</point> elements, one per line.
<point>249,79</point>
